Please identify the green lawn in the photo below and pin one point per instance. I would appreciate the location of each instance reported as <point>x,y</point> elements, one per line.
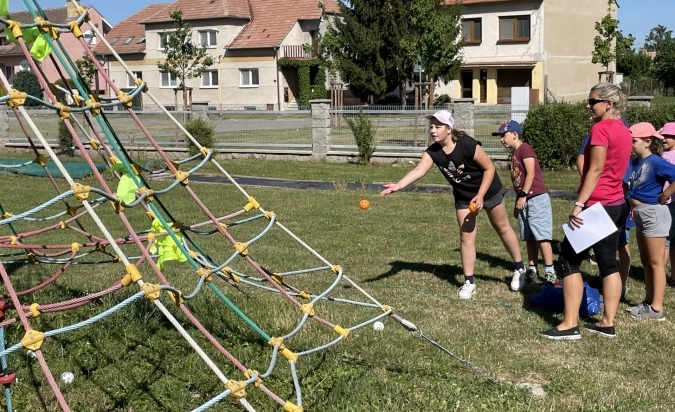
<point>135,360</point>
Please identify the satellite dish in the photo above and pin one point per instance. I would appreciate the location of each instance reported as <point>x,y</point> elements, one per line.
<point>409,86</point>
<point>24,65</point>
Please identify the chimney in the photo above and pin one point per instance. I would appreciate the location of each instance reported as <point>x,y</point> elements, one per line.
<point>71,10</point>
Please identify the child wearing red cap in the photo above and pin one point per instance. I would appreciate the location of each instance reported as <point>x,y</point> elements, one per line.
<point>649,172</point>
<point>668,133</point>
<point>533,204</point>
<point>475,186</point>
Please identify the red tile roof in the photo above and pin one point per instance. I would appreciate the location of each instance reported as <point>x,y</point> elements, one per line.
<point>273,19</point>
<point>56,15</point>
<point>203,9</point>
<point>129,28</point>
<point>470,2</point>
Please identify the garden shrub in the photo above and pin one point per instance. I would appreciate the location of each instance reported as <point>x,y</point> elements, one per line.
<point>364,135</point>
<point>27,81</point>
<point>657,115</point>
<point>556,131</point>
<point>65,139</point>
<point>203,131</point>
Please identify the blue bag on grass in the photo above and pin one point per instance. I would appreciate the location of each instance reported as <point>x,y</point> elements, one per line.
<point>551,297</point>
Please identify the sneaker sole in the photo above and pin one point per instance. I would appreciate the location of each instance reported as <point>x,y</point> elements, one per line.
<point>597,332</point>
<point>645,318</point>
<point>570,337</point>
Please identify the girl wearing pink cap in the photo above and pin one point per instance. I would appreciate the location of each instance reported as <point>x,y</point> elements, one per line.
<point>649,172</point>
<point>668,133</point>
<point>475,186</point>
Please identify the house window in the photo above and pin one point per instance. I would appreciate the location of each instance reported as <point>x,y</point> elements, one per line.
<point>141,40</point>
<point>9,72</point>
<point>89,38</point>
<point>249,78</point>
<point>208,38</point>
<point>128,40</point>
<point>163,37</point>
<point>472,30</point>
<point>113,41</point>
<point>210,78</point>
<point>168,79</point>
<point>514,28</point>
<point>131,80</point>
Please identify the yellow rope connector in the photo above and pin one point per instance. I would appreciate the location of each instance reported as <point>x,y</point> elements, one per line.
<point>41,160</point>
<point>81,192</point>
<point>291,407</point>
<point>206,273</point>
<point>227,271</point>
<point>75,28</point>
<point>336,269</point>
<point>6,215</point>
<point>134,168</point>
<point>277,278</point>
<point>182,177</point>
<point>16,98</point>
<point>114,160</point>
<point>238,388</point>
<point>71,211</point>
<point>115,259</point>
<point>77,99</point>
<point>46,27</point>
<point>75,247</point>
<point>276,341</point>
<point>150,214</point>
<point>81,11</point>
<point>252,204</point>
<point>304,295</point>
<point>94,144</point>
<point>33,339</point>
<point>95,106</point>
<point>269,215</point>
<point>31,258</point>
<point>133,275</point>
<point>290,355</point>
<point>151,291</point>
<point>125,99</point>
<point>100,248</point>
<point>140,82</point>
<point>178,300</point>
<point>151,237</point>
<point>204,151</point>
<point>386,308</point>
<point>34,309</point>
<point>63,111</point>
<point>249,374</point>
<point>62,225</point>
<point>242,248</point>
<point>308,308</point>
<point>15,27</point>
<point>117,205</point>
<point>13,240</point>
<point>148,192</point>
<point>341,331</point>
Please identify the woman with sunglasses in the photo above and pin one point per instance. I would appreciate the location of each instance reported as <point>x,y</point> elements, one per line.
<point>606,159</point>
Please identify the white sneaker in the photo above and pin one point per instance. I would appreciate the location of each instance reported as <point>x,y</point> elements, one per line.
<point>466,291</point>
<point>518,280</point>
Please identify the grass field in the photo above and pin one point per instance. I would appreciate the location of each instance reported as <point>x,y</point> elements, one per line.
<point>403,251</point>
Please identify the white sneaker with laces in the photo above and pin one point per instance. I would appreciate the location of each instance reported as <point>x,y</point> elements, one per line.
<point>518,280</point>
<point>466,291</point>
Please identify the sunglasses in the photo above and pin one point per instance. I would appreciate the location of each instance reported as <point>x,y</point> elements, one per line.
<point>593,102</point>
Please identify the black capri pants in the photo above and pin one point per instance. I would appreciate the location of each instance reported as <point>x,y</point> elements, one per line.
<point>605,249</point>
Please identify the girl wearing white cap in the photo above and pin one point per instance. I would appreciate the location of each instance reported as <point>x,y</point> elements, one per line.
<point>475,186</point>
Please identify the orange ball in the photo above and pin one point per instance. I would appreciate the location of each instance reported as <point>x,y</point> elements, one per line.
<point>473,208</point>
<point>364,204</point>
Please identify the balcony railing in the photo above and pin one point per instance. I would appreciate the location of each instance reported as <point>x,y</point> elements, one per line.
<point>298,52</point>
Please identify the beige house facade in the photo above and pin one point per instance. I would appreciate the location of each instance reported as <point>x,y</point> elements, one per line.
<point>247,39</point>
<point>543,45</point>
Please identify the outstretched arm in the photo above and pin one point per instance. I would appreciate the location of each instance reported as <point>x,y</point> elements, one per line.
<point>420,170</point>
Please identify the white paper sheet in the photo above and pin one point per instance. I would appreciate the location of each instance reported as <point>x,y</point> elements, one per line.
<point>597,226</point>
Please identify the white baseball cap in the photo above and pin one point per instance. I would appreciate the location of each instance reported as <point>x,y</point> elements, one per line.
<point>443,116</point>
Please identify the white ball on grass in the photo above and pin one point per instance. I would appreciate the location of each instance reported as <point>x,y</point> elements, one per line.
<point>378,326</point>
<point>67,377</point>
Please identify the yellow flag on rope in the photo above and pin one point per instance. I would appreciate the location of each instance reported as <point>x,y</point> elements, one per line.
<point>40,49</point>
<point>4,7</point>
<point>126,188</point>
<point>164,245</point>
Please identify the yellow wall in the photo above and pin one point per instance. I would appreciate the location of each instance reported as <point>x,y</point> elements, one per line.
<point>491,86</point>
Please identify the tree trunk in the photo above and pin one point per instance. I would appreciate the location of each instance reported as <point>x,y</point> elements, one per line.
<point>402,93</point>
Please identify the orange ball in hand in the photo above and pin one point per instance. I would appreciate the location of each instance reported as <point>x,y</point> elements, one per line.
<point>364,204</point>
<point>473,208</point>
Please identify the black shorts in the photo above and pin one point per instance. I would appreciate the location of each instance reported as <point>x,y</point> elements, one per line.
<point>495,200</point>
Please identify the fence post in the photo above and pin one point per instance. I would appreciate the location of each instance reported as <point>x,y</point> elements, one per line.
<point>320,109</point>
<point>463,113</point>
<point>4,128</point>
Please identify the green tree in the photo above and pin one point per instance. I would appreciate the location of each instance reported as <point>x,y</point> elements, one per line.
<point>27,81</point>
<point>664,63</point>
<point>606,43</point>
<point>184,59</point>
<point>657,35</point>
<point>87,69</point>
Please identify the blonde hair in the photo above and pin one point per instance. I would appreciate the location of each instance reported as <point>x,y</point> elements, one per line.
<point>612,93</point>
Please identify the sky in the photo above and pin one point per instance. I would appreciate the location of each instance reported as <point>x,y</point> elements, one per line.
<point>636,17</point>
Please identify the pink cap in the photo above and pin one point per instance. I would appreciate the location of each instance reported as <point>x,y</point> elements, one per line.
<point>668,128</point>
<point>644,130</point>
<point>444,117</point>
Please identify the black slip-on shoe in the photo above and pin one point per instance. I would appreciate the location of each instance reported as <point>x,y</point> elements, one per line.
<point>606,331</point>
<point>567,334</point>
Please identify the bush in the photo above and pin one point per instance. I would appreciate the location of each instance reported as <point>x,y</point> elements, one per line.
<point>556,131</point>
<point>657,115</point>
<point>203,131</point>
<point>443,99</point>
<point>27,81</point>
<point>65,139</point>
<point>364,135</point>
<point>137,101</point>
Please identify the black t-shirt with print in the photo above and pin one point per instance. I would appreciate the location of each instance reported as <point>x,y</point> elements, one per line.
<point>461,170</point>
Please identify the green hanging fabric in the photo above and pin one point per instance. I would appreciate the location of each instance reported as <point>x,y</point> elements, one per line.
<point>164,245</point>
<point>126,189</point>
<point>40,49</point>
<point>4,7</point>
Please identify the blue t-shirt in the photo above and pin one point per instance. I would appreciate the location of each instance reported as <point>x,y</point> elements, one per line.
<point>647,178</point>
